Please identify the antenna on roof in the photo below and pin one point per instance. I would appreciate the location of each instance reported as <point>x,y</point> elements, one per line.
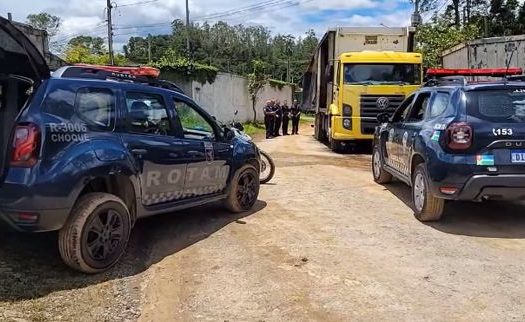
<point>514,48</point>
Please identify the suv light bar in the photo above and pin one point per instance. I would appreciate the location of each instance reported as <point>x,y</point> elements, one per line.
<point>494,72</point>
<point>135,71</point>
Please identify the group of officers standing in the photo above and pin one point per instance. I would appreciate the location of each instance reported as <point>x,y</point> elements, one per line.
<point>277,116</point>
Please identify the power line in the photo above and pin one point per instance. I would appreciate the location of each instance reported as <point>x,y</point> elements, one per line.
<point>67,37</point>
<point>135,3</point>
<point>232,12</point>
<point>436,12</point>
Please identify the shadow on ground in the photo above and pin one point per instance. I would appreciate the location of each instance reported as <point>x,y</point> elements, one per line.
<point>486,219</point>
<point>31,267</point>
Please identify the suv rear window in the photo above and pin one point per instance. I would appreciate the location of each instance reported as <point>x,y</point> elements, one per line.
<point>498,105</point>
<point>93,106</point>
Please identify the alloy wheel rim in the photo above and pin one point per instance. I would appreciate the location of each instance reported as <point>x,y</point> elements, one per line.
<point>419,192</point>
<point>104,235</point>
<point>246,191</point>
<point>265,169</point>
<point>377,164</point>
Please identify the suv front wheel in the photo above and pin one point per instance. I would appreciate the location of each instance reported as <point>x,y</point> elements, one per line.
<point>426,206</point>
<point>244,190</point>
<point>96,233</point>
<point>380,174</point>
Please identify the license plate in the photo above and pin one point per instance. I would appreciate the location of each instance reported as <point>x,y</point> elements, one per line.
<point>518,156</point>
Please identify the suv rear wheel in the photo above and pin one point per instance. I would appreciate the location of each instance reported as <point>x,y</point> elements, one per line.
<point>426,206</point>
<point>96,233</point>
<point>244,190</point>
<point>380,175</point>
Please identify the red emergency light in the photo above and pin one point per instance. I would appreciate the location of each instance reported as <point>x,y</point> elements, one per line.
<point>135,71</point>
<point>494,72</point>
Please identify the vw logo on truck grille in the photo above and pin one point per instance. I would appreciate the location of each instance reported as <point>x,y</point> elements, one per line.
<point>383,103</point>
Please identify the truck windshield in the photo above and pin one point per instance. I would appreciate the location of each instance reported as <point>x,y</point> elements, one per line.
<point>377,74</point>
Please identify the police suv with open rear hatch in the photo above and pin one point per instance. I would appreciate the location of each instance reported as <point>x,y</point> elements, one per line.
<point>454,140</point>
<point>92,149</point>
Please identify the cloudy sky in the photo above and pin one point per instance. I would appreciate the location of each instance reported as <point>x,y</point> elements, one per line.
<point>140,17</point>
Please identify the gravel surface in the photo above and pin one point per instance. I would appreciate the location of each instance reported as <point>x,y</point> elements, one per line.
<point>324,242</point>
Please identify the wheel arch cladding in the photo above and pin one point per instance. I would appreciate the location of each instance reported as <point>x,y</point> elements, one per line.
<point>417,159</point>
<point>117,185</point>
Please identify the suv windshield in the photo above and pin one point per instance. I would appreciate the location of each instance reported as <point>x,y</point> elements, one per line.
<point>382,74</point>
<point>499,105</point>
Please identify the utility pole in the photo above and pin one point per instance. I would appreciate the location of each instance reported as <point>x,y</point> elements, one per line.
<point>187,27</point>
<point>416,19</point>
<point>149,48</point>
<point>110,33</point>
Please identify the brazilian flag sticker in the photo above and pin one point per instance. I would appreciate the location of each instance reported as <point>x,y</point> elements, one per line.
<point>435,136</point>
<point>485,159</point>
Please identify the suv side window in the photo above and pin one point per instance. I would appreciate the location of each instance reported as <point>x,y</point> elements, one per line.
<point>439,105</point>
<point>95,106</point>
<point>194,125</point>
<point>147,114</point>
<point>91,105</point>
<point>419,108</point>
<point>402,111</point>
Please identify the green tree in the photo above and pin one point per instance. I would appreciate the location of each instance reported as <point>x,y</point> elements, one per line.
<point>435,37</point>
<point>95,45</point>
<point>45,21</point>
<point>256,81</point>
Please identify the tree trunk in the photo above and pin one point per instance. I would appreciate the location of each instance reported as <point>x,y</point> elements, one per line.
<point>254,101</point>
<point>457,16</point>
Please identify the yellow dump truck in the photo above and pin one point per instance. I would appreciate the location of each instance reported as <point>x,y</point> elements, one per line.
<point>355,74</point>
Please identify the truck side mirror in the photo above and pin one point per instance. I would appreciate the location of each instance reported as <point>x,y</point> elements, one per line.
<point>383,117</point>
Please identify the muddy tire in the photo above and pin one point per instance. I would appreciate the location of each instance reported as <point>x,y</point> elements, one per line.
<point>267,168</point>
<point>426,206</point>
<point>96,233</point>
<point>381,176</point>
<point>244,190</point>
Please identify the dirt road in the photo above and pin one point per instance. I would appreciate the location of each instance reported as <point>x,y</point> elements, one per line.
<point>323,243</point>
<point>326,243</point>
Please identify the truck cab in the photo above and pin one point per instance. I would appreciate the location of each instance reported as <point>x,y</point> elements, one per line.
<point>355,74</point>
<point>368,83</point>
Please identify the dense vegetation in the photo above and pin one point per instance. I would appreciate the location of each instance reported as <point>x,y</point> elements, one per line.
<point>454,21</point>
<point>229,48</point>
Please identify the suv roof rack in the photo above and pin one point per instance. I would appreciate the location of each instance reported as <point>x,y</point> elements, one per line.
<point>447,81</point>
<point>139,75</point>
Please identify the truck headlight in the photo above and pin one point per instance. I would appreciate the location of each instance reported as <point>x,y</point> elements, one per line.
<point>347,124</point>
<point>347,110</point>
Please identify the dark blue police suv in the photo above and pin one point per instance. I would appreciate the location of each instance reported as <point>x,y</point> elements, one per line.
<point>88,151</point>
<point>454,140</point>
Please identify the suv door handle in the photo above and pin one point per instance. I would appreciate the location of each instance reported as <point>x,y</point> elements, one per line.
<point>139,151</point>
<point>196,153</point>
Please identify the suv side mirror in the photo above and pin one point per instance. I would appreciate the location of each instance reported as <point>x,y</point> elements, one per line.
<point>238,126</point>
<point>383,118</point>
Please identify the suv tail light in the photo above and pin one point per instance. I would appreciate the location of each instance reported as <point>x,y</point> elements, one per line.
<point>459,136</point>
<point>25,146</point>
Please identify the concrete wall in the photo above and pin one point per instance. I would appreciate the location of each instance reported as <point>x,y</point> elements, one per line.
<point>229,93</point>
<point>487,53</point>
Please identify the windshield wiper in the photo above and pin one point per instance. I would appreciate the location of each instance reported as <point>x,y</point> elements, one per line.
<point>396,82</point>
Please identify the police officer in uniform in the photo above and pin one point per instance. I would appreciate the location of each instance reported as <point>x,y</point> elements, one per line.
<point>278,117</point>
<point>295,112</point>
<point>286,117</point>
<point>269,119</point>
